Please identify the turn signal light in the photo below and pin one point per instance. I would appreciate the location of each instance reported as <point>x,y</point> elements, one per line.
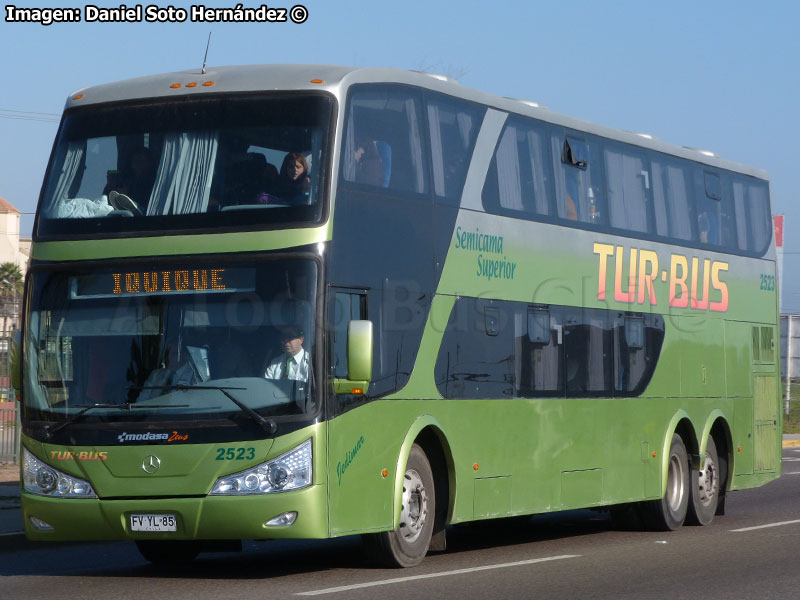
<point>475,467</point>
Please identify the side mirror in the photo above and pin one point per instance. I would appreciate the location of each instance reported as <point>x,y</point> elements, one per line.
<point>359,350</point>
<point>359,359</point>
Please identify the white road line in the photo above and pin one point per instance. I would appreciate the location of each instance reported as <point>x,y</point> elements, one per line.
<point>794,473</point>
<point>781,524</point>
<point>346,588</point>
<point>12,533</point>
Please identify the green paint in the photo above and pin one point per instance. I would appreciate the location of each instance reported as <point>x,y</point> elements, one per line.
<point>342,466</point>
<point>244,241</point>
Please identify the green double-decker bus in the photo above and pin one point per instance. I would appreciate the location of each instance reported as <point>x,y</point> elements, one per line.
<point>311,301</point>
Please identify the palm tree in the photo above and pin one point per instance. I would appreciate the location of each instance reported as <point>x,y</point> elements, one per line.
<point>11,279</point>
<point>11,284</point>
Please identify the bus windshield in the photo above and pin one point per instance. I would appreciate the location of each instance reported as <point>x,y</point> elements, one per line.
<point>224,161</point>
<point>172,345</point>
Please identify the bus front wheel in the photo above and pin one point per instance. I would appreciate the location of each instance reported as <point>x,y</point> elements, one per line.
<point>407,545</point>
<point>705,488</point>
<point>669,513</point>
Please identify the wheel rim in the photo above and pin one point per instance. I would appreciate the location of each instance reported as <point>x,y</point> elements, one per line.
<point>415,506</point>
<point>707,482</point>
<point>675,483</point>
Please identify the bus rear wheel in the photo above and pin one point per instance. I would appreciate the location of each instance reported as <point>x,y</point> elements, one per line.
<point>168,552</point>
<point>705,488</point>
<point>407,545</point>
<point>669,513</point>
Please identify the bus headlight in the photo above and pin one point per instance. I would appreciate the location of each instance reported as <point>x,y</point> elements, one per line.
<point>42,479</point>
<point>288,472</point>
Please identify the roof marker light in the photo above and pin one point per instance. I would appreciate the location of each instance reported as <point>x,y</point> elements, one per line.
<point>317,81</point>
<point>703,152</point>
<point>208,83</point>
<point>530,103</point>
<point>175,86</point>
<point>78,97</point>
<point>192,84</point>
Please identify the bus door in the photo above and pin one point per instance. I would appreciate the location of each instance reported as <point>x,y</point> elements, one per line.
<point>359,496</point>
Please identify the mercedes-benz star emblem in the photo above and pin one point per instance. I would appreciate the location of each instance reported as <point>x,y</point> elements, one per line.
<point>151,464</point>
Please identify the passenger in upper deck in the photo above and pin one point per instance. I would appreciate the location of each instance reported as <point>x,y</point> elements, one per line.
<point>135,183</point>
<point>293,182</point>
<point>369,168</point>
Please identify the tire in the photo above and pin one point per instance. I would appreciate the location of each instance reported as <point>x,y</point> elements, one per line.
<point>669,513</point>
<point>168,552</point>
<point>706,484</point>
<point>407,545</point>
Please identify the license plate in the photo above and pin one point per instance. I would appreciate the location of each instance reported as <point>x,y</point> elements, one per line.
<point>154,523</point>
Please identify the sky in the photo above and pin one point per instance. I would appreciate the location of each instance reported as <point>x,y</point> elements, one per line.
<point>717,75</point>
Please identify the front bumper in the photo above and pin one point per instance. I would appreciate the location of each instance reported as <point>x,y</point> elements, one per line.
<point>206,518</point>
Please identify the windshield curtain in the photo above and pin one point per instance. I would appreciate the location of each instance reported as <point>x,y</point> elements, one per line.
<point>225,161</point>
<point>163,344</point>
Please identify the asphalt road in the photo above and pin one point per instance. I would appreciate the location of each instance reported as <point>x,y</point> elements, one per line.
<point>752,552</point>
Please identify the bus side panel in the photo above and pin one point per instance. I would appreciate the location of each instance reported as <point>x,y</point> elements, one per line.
<point>362,443</point>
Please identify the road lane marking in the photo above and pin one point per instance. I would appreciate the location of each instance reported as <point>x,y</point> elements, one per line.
<point>12,533</point>
<point>781,524</point>
<point>346,588</point>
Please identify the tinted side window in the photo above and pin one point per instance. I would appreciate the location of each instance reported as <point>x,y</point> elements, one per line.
<point>637,344</point>
<point>453,129</point>
<point>671,198</point>
<point>519,176</point>
<point>382,143</point>
<point>587,352</point>
<point>713,211</point>
<point>578,170</point>
<point>476,359</point>
<point>628,184</point>
<point>539,348</point>
<point>498,349</point>
<point>753,222</point>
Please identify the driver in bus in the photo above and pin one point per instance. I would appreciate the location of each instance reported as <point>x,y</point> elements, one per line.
<point>293,362</point>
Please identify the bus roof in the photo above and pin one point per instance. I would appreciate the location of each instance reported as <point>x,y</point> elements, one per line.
<point>336,80</point>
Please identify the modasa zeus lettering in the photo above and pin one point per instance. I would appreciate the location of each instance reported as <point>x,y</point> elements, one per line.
<point>693,282</point>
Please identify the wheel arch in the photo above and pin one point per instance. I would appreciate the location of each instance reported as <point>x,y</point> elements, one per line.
<point>683,426</point>
<point>429,434</point>
<point>718,426</point>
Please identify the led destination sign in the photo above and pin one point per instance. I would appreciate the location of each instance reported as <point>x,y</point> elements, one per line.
<point>162,282</point>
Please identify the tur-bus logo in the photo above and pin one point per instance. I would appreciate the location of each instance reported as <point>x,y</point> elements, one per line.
<point>690,280</point>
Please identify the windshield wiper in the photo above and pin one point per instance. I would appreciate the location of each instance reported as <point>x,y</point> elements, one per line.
<point>268,425</point>
<point>49,431</point>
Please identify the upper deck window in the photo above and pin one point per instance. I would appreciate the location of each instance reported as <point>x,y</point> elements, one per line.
<point>383,144</point>
<point>578,171</point>
<point>196,164</point>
